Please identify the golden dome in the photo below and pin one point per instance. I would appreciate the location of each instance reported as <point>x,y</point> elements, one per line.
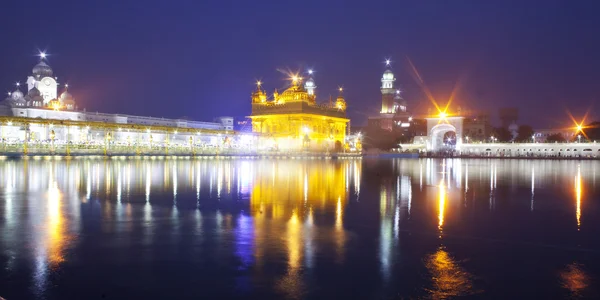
<point>294,93</point>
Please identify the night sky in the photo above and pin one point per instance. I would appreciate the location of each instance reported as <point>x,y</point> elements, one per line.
<point>200,59</point>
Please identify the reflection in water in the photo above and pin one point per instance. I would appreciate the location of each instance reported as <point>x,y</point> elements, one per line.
<point>532,186</point>
<point>574,279</point>
<point>441,205</point>
<point>448,278</point>
<point>280,220</point>
<point>291,284</point>
<point>578,197</point>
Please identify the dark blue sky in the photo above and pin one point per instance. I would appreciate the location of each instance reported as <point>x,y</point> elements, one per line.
<point>200,58</point>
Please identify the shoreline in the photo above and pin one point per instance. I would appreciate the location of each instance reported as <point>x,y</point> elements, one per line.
<point>512,157</point>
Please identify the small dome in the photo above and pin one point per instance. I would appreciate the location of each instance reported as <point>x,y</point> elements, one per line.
<point>513,127</point>
<point>65,96</point>
<point>42,70</point>
<point>33,92</point>
<point>16,95</point>
<point>309,83</point>
<point>388,75</point>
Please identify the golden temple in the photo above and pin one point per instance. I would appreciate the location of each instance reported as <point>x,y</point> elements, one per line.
<point>293,120</point>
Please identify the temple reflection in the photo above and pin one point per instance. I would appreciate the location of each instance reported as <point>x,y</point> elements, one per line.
<point>305,213</point>
<point>279,189</point>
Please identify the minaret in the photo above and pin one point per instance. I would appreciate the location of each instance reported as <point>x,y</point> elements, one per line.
<point>259,96</point>
<point>387,90</point>
<point>309,85</point>
<point>340,102</point>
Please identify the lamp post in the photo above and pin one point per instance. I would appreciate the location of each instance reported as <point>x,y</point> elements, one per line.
<point>533,138</point>
<point>467,138</point>
<point>579,138</point>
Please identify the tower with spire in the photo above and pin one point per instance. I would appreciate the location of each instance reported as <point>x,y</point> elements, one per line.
<point>387,90</point>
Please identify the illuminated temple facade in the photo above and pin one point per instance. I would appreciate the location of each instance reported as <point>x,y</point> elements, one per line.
<point>293,120</point>
<point>41,114</point>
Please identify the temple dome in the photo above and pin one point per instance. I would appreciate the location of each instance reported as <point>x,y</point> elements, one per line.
<point>309,83</point>
<point>293,93</point>
<point>42,70</point>
<point>388,75</point>
<point>34,92</point>
<point>66,96</point>
<point>16,95</point>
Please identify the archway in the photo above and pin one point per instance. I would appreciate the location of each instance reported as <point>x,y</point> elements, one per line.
<point>338,146</point>
<point>444,127</point>
<point>443,137</point>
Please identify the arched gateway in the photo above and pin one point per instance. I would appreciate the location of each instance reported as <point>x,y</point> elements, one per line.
<point>438,127</point>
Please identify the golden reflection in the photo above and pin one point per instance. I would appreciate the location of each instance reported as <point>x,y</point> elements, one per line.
<point>291,284</point>
<point>281,188</point>
<point>574,279</point>
<point>441,205</point>
<point>56,238</point>
<point>340,234</point>
<point>448,278</point>
<point>578,197</point>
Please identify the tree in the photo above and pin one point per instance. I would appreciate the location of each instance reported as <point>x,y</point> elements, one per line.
<point>555,138</point>
<point>525,134</point>
<point>502,134</point>
<point>592,130</point>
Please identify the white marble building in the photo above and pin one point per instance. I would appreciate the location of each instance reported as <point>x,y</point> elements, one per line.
<point>43,101</point>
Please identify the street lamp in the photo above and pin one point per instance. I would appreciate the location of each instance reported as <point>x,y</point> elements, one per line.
<point>579,138</point>
<point>533,138</point>
<point>492,138</point>
<point>467,138</point>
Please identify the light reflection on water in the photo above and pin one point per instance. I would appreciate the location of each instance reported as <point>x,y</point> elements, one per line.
<point>283,220</point>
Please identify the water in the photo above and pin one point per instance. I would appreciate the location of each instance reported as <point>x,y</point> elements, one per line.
<point>294,229</point>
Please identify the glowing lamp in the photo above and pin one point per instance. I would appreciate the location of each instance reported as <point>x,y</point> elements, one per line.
<point>443,115</point>
<point>579,127</point>
<point>387,62</point>
<point>310,72</point>
<point>306,129</point>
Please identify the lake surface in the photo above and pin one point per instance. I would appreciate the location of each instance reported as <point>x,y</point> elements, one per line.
<point>299,229</point>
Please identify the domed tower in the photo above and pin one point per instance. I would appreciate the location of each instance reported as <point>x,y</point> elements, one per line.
<point>18,98</point>
<point>34,98</point>
<point>340,102</point>
<point>42,79</point>
<point>387,92</point>
<point>66,99</point>
<point>41,70</point>
<point>310,86</point>
<point>259,95</point>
